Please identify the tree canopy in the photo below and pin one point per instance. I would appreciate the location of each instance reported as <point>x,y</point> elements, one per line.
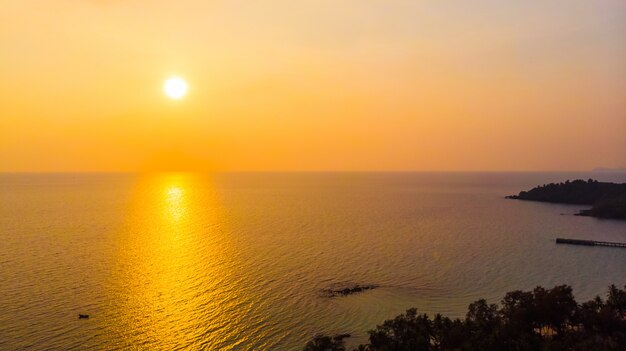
<point>608,199</point>
<point>541,319</point>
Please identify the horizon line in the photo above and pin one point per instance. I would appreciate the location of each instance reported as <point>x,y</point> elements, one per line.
<point>595,170</point>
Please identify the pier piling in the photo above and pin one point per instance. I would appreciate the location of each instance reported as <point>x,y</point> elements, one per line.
<point>588,242</point>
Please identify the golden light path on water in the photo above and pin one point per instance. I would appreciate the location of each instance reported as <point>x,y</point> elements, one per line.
<point>174,273</point>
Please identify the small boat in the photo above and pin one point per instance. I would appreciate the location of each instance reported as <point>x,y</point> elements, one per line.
<point>83,316</point>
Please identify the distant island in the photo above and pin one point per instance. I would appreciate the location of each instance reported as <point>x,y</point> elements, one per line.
<point>541,319</point>
<point>604,169</point>
<point>608,200</point>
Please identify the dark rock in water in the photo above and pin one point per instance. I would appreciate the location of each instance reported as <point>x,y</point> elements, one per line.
<point>327,343</point>
<point>83,316</point>
<point>349,290</point>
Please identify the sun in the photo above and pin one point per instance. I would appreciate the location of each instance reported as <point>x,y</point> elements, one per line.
<point>175,87</point>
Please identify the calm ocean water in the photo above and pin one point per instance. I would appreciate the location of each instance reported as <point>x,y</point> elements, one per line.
<point>237,261</point>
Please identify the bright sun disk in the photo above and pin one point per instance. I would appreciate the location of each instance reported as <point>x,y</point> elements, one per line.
<point>175,87</point>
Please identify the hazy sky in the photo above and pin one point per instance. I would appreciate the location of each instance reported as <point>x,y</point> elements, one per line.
<point>312,85</point>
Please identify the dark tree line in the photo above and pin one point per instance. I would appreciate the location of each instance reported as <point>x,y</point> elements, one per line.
<point>608,199</point>
<point>540,319</point>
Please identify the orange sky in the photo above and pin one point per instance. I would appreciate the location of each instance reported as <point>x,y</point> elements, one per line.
<point>312,85</point>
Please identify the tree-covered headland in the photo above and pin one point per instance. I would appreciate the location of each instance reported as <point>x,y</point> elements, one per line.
<point>541,319</point>
<point>608,200</point>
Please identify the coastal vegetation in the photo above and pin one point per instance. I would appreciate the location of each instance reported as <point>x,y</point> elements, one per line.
<point>541,319</point>
<point>608,200</point>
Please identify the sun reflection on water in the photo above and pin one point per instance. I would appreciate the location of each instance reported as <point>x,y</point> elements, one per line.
<point>175,204</point>
<point>173,259</point>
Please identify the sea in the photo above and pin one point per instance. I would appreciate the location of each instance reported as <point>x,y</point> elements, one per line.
<point>240,261</point>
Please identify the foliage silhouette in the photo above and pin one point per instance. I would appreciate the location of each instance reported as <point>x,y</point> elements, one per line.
<point>608,199</point>
<point>541,319</point>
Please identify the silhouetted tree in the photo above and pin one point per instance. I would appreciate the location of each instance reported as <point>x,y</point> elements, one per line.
<point>542,319</point>
<point>608,199</point>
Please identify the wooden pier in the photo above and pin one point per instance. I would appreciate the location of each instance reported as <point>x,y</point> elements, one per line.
<point>588,242</point>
